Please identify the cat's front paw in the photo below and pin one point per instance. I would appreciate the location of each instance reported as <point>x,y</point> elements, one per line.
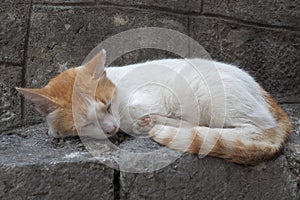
<point>144,125</point>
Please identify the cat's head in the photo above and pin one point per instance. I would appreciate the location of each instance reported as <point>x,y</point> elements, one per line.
<point>79,100</point>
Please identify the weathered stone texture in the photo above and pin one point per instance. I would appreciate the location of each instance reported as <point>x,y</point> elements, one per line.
<point>292,148</point>
<point>14,15</point>
<point>168,5</point>
<point>10,102</point>
<point>211,178</point>
<point>62,35</point>
<point>271,56</point>
<point>67,34</point>
<point>33,166</point>
<point>281,13</point>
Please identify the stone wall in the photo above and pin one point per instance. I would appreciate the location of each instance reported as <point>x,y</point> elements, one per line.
<point>37,36</point>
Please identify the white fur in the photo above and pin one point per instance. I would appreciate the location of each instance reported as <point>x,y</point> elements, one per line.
<point>181,137</point>
<point>51,132</point>
<point>202,92</point>
<point>99,124</point>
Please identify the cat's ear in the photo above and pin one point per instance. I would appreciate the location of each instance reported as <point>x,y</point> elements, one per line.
<point>96,65</point>
<point>43,103</point>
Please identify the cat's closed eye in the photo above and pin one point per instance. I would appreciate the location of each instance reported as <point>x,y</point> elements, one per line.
<point>88,124</point>
<point>108,109</point>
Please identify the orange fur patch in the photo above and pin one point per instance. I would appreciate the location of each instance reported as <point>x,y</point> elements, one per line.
<point>281,117</point>
<point>60,91</point>
<point>195,146</point>
<point>170,136</point>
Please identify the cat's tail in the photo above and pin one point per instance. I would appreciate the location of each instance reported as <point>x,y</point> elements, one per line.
<point>237,145</point>
<point>244,145</point>
<point>284,124</point>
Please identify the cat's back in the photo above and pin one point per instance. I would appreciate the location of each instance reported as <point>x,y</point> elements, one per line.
<point>203,67</point>
<point>200,74</point>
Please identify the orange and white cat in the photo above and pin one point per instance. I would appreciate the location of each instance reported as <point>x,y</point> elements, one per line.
<point>193,105</point>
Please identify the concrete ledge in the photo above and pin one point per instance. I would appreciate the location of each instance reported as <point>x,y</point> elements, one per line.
<point>34,166</point>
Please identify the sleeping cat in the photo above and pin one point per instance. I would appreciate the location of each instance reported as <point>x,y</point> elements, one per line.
<point>192,105</point>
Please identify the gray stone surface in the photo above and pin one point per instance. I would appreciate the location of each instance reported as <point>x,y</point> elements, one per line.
<point>271,56</point>
<point>279,13</point>
<point>186,6</point>
<point>183,6</point>
<point>62,35</point>
<point>34,166</point>
<point>292,149</point>
<point>14,15</point>
<point>10,102</point>
<point>211,178</point>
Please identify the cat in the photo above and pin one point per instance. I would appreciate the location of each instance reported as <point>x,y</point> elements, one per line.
<point>194,105</point>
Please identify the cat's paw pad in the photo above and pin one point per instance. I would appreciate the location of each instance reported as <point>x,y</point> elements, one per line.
<point>145,121</point>
<point>144,125</point>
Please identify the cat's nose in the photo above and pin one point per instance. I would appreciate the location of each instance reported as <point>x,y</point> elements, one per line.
<point>113,130</point>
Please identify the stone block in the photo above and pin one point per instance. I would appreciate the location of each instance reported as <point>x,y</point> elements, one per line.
<point>278,13</point>
<point>10,101</point>
<point>185,6</point>
<point>66,35</point>
<point>269,55</point>
<point>33,166</point>
<point>211,178</point>
<point>14,16</point>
